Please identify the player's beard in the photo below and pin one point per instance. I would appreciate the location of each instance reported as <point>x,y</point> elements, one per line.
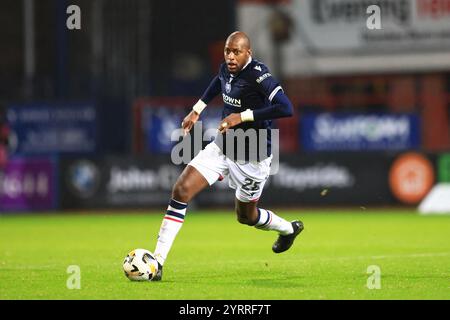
<point>233,67</point>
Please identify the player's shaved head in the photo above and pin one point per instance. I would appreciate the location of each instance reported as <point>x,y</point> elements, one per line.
<point>237,51</point>
<point>241,37</point>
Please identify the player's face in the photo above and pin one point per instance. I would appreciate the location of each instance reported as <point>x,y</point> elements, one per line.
<point>236,55</point>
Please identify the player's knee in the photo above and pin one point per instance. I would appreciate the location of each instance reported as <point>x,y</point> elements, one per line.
<point>181,192</point>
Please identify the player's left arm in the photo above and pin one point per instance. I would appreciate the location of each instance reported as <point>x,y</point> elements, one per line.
<point>280,105</point>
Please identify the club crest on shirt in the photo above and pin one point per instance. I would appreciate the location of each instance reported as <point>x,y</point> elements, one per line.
<point>228,87</point>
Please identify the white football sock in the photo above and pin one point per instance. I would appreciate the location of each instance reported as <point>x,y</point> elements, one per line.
<point>171,224</point>
<point>270,221</point>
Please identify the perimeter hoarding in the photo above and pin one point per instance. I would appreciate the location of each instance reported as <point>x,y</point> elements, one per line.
<point>47,129</point>
<point>28,184</point>
<point>359,132</point>
<point>116,182</point>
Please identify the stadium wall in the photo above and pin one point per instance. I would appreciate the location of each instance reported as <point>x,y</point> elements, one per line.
<point>343,179</point>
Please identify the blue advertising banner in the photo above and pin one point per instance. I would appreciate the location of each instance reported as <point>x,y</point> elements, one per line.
<point>160,122</point>
<point>49,129</point>
<point>359,132</point>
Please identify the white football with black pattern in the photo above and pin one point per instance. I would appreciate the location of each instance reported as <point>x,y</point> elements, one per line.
<point>140,265</point>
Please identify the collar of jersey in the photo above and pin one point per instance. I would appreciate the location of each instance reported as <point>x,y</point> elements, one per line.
<point>248,62</point>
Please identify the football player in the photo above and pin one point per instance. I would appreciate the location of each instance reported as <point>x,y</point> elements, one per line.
<point>252,98</point>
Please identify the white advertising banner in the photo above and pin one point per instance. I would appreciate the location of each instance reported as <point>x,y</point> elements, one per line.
<point>343,25</point>
<point>351,36</point>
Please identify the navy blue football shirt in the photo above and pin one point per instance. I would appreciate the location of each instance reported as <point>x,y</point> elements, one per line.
<point>252,88</point>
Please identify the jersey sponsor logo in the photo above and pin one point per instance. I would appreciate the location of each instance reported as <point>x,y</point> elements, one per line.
<point>258,68</point>
<point>263,77</point>
<point>231,101</point>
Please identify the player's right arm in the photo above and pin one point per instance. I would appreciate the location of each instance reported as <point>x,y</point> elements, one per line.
<point>212,91</point>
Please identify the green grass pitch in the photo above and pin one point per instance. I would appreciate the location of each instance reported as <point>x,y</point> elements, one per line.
<point>215,257</point>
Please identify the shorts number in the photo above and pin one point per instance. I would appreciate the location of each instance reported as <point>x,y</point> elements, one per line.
<point>251,185</point>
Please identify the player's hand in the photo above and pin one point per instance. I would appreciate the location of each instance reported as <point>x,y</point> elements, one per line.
<point>229,122</point>
<point>189,121</point>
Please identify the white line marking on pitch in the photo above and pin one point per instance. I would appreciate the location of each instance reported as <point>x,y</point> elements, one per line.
<point>413,255</point>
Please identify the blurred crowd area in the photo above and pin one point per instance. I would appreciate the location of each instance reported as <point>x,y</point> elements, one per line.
<point>124,50</point>
<point>121,83</point>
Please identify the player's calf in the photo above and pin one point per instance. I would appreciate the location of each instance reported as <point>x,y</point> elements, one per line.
<point>188,184</point>
<point>245,220</point>
<point>246,212</point>
<point>180,191</point>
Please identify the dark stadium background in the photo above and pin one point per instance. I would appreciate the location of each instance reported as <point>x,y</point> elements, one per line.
<point>87,114</point>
